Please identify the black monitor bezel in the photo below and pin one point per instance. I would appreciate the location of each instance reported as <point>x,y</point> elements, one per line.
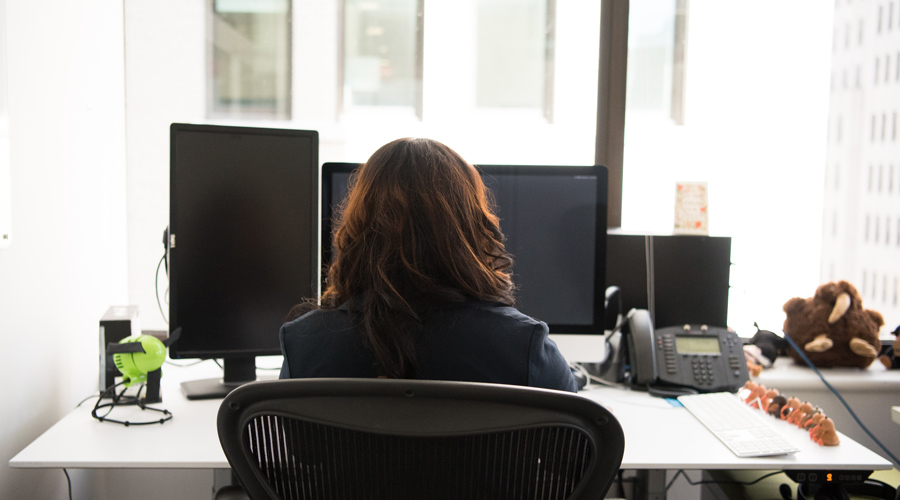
<point>175,352</point>
<point>329,169</point>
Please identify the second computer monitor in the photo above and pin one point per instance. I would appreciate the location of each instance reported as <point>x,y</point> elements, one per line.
<point>554,220</point>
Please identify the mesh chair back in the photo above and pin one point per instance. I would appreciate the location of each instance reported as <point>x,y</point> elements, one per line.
<point>398,439</point>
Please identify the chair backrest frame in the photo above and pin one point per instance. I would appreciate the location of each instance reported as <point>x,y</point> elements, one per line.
<point>417,409</point>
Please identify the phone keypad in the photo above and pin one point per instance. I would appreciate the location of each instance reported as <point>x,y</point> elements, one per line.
<point>703,369</point>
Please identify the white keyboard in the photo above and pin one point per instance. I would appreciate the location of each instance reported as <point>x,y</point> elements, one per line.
<point>744,430</point>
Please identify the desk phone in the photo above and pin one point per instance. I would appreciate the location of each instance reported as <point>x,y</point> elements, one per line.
<point>699,357</point>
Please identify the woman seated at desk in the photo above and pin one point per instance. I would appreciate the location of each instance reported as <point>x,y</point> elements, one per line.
<point>420,284</point>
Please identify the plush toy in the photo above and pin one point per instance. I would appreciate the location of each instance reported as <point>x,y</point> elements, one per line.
<point>762,350</point>
<point>832,328</point>
<point>890,355</point>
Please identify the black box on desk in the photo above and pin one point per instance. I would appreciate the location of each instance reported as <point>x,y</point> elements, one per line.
<point>680,278</point>
<point>118,322</point>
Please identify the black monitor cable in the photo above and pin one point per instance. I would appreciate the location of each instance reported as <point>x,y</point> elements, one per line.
<point>68,481</point>
<point>120,399</point>
<point>163,259</point>
<point>156,282</point>
<point>841,399</point>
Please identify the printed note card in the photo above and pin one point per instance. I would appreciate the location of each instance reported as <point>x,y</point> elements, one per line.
<point>691,208</point>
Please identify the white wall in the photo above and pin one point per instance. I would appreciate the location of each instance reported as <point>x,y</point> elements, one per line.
<point>68,262</point>
<point>165,50</point>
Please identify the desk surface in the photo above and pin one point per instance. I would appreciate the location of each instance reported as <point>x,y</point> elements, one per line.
<point>657,436</point>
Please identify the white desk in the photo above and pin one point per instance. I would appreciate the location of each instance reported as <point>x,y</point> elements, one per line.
<point>658,436</point>
<point>661,436</point>
<point>870,392</point>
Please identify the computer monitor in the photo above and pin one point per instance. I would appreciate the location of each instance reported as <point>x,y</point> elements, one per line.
<point>242,243</point>
<point>554,220</point>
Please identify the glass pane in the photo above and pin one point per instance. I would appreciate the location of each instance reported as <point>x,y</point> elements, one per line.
<point>755,112</point>
<point>514,40</point>
<point>651,41</point>
<point>251,58</point>
<point>381,53</point>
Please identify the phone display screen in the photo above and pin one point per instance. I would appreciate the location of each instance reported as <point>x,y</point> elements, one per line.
<point>697,345</point>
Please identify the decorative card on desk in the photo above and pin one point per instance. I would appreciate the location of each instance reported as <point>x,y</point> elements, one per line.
<point>691,208</point>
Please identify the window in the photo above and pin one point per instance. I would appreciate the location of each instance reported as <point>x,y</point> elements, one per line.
<point>894,126</point>
<point>877,225</point>
<point>382,59</point>
<point>890,187</point>
<point>514,67</point>
<point>887,230</point>
<point>887,68</point>
<point>726,104</point>
<point>250,59</point>
<point>890,17</point>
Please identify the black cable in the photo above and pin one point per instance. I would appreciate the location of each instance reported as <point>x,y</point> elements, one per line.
<point>83,400</point>
<point>121,399</point>
<point>156,285</point>
<point>185,365</point>
<point>697,483</point>
<point>841,399</point>
<point>69,482</point>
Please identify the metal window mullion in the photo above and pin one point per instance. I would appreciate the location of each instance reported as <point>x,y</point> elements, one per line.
<point>549,61</point>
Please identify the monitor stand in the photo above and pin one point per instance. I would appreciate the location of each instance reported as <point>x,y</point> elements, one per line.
<point>238,371</point>
<point>581,348</point>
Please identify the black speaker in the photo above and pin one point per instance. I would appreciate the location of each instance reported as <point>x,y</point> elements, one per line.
<point>680,279</point>
<point>118,322</point>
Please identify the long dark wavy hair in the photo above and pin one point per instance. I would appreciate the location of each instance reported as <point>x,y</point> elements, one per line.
<point>416,228</point>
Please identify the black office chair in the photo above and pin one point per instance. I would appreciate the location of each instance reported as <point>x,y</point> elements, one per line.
<point>398,439</point>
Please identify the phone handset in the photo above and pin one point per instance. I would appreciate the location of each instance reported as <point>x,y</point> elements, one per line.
<point>642,345</point>
<point>642,352</point>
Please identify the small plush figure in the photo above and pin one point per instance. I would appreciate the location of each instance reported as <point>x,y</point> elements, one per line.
<point>825,434</point>
<point>796,417</point>
<point>770,394</point>
<point>744,393</point>
<point>775,406</point>
<point>813,419</point>
<point>753,369</point>
<point>832,328</point>
<point>890,356</point>
<point>791,405</point>
<point>762,350</point>
<point>756,396</point>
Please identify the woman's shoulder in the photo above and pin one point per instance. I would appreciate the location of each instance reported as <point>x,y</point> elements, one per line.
<point>491,315</point>
<point>505,311</point>
<point>318,320</point>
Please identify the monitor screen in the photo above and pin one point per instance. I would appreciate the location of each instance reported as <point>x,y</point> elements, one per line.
<point>554,219</point>
<point>243,242</point>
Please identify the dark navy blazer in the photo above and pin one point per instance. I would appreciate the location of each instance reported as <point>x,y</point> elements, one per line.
<point>465,341</point>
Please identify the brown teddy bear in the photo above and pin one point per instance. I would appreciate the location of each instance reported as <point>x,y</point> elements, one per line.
<point>832,327</point>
